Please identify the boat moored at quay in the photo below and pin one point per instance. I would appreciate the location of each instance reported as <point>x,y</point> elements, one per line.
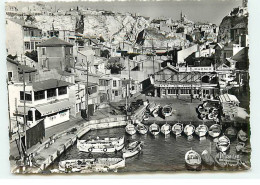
<point>154,129</point>
<point>177,129</point>
<point>166,129</point>
<point>101,145</point>
<point>193,160</point>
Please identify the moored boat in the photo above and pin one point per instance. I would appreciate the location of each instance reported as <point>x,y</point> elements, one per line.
<point>232,163</point>
<point>193,160</point>
<point>130,129</point>
<point>132,149</point>
<point>141,128</point>
<point>245,164</point>
<point>231,133</point>
<point>189,129</point>
<point>167,111</point>
<point>201,130</point>
<point>177,129</point>
<point>155,112</point>
<point>223,143</point>
<point>215,130</point>
<point>154,129</point>
<point>106,145</point>
<point>146,117</point>
<point>246,149</point>
<point>166,129</point>
<point>220,160</point>
<point>242,136</point>
<point>77,165</point>
<point>207,158</point>
<point>240,146</point>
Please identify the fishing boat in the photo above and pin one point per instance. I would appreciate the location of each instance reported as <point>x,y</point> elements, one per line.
<point>220,160</point>
<point>193,160</point>
<point>77,165</point>
<point>210,116</point>
<point>141,128</point>
<point>155,112</point>
<point>154,129</point>
<point>132,149</point>
<point>232,163</point>
<point>231,133</point>
<point>189,129</point>
<point>106,145</point>
<point>167,111</point>
<point>246,149</point>
<point>203,116</point>
<point>201,109</point>
<point>223,143</point>
<point>207,158</point>
<point>242,136</point>
<point>245,164</point>
<point>215,130</point>
<point>146,117</point>
<point>130,129</point>
<point>177,129</point>
<point>201,130</point>
<point>240,146</point>
<point>166,129</point>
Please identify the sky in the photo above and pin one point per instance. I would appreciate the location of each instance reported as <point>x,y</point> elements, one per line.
<point>196,10</point>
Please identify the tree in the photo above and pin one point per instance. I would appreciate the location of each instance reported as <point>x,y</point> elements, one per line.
<point>32,55</point>
<point>180,30</point>
<point>115,67</point>
<point>105,53</point>
<point>189,38</point>
<point>101,39</point>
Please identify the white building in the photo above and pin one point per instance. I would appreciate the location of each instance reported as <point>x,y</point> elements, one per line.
<point>48,100</point>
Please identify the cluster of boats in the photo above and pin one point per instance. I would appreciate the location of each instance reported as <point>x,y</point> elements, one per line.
<point>222,159</point>
<point>155,110</point>
<point>207,111</point>
<point>176,129</point>
<point>105,145</point>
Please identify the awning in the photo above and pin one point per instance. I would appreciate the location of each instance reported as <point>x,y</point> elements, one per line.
<point>52,108</point>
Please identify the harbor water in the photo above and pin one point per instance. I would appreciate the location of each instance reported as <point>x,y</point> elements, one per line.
<point>159,153</point>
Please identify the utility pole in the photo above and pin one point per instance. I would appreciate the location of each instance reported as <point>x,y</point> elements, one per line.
<point>24,115</point>
<point>87,91</point>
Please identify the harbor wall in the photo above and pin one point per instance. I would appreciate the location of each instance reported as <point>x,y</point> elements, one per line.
<point>52,148</point>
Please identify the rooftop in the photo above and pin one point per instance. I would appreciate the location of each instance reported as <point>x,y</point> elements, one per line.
<point>54,42</point>
<point>22,23</point>
<point>49,84</point>
<point>26,69</point>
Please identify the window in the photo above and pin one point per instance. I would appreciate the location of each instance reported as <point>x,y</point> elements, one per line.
<point>37,115</point>
<point>30,77</point>
<point>43,51</point>
<point>116,93</point>
<point>114,83</point>
<point>39,95</point>
<point>32,33</point>
<point>133,88</point>
<point>62,90</point>
<point>30,116</point>
<point>27,45</point>
<point>32,45</point>
<point>51,93</point>
<point>10,76</point>
<point>28,97</point>
<point>172,91</point>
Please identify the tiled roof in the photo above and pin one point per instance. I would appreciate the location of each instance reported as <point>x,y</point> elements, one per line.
<point>54,42</point>
<point>26,69</point>
<point>12,61</point>
<point>22,23</point>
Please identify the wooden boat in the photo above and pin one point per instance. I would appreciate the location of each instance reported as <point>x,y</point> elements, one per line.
<point>154,129</point>
<point>150,107</point>
<point>246,149</point>
<point>223,143</point>
<point>203,116</point>
<point>166,129</point>
<point>167,110</point>
<point>242,136</point>
<point>207,158</point>
<point>132,149</point>
<point>130,129</point>
<point>77,165</point>
<point>193,160</point>
<point>141,128</point>
<point>155,112</point>
<point>240,146</point>
<point>231,133</point>
<point>146,117</point>
<point>215,130</point>
<point>245,164</point>
<point>189,129</point>
<point>201,109</point>
<point>201,130</point>
<point>106,145</point>
<point>220,160</point>
<point>210,116</point>
<point>177,129</point>
<point>232,163</point>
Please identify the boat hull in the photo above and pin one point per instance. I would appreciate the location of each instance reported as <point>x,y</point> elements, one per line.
<point>177,129</point>
<point>130,129</point>
<point>193,160</point>
<point>154,129</point>
<point>166,129</point>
